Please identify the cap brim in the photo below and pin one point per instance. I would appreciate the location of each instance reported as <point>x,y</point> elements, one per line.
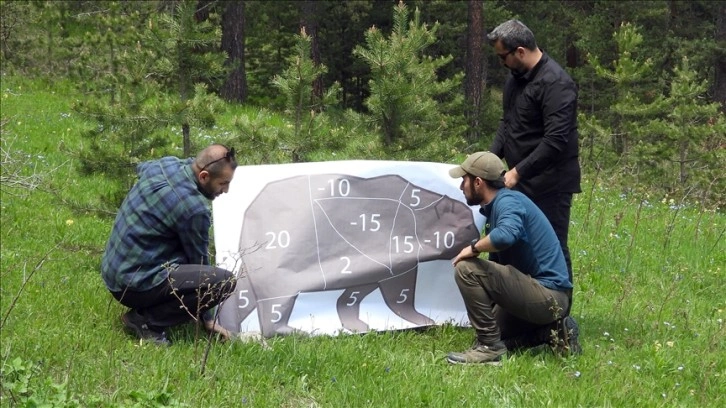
<point>457,172</point>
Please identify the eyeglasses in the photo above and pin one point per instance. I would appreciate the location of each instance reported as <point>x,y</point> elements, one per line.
<point>503,57</point>
<point>229,156</point>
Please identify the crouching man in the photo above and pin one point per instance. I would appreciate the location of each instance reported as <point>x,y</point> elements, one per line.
<point>156,260</point>
<point>519,297</point>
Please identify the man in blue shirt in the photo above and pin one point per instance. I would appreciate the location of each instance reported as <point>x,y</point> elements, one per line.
<point>525,284</point>
<point>156,260</point>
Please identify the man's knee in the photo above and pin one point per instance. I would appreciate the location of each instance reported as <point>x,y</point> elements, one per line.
<point>228,284</point>
<point>463,269</point>
<point>472,269</point>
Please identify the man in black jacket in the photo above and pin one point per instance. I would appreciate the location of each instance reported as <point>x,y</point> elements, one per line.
<point>537,135</point>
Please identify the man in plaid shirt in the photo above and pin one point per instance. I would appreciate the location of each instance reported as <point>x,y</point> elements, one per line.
<point>156,261</point>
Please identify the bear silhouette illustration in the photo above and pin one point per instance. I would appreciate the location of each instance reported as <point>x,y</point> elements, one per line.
<point>323,232</point>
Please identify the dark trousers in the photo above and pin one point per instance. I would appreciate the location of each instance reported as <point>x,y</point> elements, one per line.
<point>503,302</point>
<point>190,291</point>
<point>556,207</point>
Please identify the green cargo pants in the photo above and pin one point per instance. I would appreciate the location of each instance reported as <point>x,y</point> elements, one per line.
<point>503,302</point>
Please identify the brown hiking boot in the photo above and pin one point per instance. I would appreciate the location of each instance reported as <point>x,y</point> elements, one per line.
<point>480,353</point>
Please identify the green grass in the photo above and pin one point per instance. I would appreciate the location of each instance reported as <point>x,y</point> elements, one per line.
<point>649,299</point>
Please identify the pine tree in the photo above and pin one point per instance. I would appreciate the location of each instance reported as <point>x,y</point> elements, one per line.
<point>681,145</point>
<point>305,109</point>
<point>405,91</point>
<point>674,140</point>
<point>158,83</point>
<point>629,74</point>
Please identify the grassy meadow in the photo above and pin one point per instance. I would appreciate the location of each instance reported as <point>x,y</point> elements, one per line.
<point>650,276</point>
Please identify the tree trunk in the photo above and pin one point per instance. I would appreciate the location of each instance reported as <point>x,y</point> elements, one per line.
<point>572,53</point>
<point>719,83</point>
<point>682,174</point>
<point>474,84</point>
<point>309,13</point>
<point>187,137</point>
<point>185,77</point>
<point>233,43</point>
<point>202,12</point>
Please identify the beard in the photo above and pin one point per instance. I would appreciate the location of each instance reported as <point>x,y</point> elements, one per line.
<point>518,69</point>
<point>517,73</point>
<point>206,193</point>
<point>472,197</point>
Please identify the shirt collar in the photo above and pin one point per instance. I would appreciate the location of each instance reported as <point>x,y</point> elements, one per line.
<point>486,209</point>
<point>529,75</point>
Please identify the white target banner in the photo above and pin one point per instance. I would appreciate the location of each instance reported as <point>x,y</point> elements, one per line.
<point>342,246</point>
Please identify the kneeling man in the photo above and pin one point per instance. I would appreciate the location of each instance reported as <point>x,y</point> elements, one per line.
<point>156,261</point>
<point>520,295</point>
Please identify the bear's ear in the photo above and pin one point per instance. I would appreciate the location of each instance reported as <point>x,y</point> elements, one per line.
<point>446,205</point>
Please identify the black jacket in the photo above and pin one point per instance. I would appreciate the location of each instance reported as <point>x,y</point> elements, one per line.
<point>538,132</point>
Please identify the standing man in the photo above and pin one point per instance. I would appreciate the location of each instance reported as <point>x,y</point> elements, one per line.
<point>156,261</point>
<point>537,135</point>
<point>524,285</point>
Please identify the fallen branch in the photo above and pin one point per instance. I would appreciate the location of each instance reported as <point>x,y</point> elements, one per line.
<point>25,282</point>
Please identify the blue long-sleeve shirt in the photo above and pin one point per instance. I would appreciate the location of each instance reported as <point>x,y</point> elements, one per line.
<point>164,219</point>
<point>525,239</point>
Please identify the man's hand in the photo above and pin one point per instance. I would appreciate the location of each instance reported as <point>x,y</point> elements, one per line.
<point>511,178</point>
<point>465,253</point>
<point>212,326</point>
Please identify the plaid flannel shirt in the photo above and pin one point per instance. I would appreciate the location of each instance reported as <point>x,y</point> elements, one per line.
<point>164,220</point>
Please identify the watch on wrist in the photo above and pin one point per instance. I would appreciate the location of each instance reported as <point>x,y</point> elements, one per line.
<point>473,248</point>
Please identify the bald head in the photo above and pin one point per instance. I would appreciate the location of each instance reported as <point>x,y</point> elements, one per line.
<point>214,169</point>
<point>214,158</point>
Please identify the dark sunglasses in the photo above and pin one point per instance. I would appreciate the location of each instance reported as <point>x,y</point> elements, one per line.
<point>229,156</point>
<point>504,56</point>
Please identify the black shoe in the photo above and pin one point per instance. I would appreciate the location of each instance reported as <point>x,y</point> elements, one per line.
<point>537,337</point>
<point>135,323</point>
<point>567,339</point>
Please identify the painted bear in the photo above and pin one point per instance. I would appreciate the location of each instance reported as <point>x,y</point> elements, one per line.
<point>324,232</point>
